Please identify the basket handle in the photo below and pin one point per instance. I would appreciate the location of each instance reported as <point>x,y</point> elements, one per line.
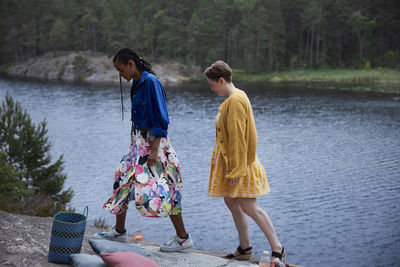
<point>55,208</point>
<point>85,212</point>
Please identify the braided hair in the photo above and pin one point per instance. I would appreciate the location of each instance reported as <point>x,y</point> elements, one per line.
<point>126,54</point>
<point>123,56</point>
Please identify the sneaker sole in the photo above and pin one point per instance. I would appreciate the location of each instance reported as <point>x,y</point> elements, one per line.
<point>174,249</point>
<point>119,238</point>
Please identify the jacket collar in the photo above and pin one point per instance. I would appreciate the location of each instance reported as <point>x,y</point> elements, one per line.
<point>142,78</point>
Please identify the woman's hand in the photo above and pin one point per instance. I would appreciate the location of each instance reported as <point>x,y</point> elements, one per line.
<point>152,159</point>
<point>234,181</point>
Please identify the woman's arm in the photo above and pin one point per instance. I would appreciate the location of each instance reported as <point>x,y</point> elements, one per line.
<point>158,112</point>
<point>237,146</point>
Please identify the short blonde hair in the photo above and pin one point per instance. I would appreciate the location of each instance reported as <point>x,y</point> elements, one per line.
<point>219,69</point>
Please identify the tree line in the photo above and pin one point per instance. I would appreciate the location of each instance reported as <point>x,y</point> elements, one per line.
<point>254,35</point>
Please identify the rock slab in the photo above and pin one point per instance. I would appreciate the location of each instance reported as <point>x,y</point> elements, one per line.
<point>24,240</point>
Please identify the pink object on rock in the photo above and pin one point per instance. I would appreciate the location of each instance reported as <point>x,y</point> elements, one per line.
<point>127,259</point>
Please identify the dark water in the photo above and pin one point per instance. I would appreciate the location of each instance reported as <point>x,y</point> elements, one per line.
<point>332,160</point>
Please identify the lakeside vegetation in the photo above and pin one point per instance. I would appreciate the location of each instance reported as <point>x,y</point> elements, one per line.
<point>382,81</point>
<point>329,75</point>
<point>256,35</point>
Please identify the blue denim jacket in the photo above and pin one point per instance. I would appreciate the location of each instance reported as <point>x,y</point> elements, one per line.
<point>149,107</point>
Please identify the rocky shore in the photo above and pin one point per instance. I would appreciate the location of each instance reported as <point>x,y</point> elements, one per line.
<point>91,67</point>
<point>24,242</point>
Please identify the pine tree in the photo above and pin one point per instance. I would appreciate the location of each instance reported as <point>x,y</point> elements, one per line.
<point>58,35</point>
<point>11,187</point>
<point>25,160</point>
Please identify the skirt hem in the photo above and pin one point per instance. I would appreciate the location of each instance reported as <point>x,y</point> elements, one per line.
<point>241,195</point>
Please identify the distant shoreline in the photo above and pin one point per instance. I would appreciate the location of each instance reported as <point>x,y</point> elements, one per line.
<point>94,67</point>
<point>329,75</point>
<point>91,67</point>
<point>384,81</point>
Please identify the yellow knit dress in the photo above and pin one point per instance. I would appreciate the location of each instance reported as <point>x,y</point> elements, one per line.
<point>253,185</point>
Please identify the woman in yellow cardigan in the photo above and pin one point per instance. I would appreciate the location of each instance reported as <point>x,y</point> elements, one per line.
<point>236,174</point>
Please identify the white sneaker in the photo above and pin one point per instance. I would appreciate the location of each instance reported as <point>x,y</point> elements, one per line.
<point>176,244</point>
<point>111,234</point>
<point>278,263</point>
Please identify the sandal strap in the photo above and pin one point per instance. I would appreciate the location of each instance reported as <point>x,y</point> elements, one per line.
<point>229,256</point>
<point>277,254</point>
<point>243,251</point>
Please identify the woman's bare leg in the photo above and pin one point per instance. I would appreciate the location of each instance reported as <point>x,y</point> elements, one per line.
<point>177,221</point>
<point>251,208</point>
<point>120,219</point>
<point>241,222</point>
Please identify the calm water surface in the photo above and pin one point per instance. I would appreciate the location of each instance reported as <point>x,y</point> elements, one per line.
<point>332,160</point>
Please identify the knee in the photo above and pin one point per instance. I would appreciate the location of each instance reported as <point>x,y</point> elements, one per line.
<point>231,203</point>
<point>250,210</point>
<point>247,210</point>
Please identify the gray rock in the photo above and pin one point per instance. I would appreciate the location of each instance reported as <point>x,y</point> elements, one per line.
<point>24,240</point>
<point>59,66</point>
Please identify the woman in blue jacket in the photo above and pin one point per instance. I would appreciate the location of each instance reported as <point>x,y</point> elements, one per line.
<point>149,173</point>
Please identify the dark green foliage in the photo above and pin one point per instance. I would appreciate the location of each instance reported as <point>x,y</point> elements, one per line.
<point>58,35</point>
<point>11,187</point>
<point>29,180</point>
<point>255,35</point>
<point>81,66</point>
<point>391,60</point>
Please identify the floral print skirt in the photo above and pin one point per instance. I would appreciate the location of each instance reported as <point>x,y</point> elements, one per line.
<point>156,190</point>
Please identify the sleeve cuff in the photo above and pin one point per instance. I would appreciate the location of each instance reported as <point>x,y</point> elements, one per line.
<point>159,132</point>
<point>239,171</point>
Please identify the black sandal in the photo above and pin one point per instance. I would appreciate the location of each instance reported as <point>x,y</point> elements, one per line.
<point>281,256</point>
<point>243,256</point>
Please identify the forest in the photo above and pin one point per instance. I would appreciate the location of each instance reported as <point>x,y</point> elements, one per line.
<point>258,36</point>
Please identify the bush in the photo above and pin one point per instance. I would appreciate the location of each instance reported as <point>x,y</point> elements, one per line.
<point>391,59</point>
<point>100,223</point>
<point>81,67</point>
<point>360,63</point>
<point>367,66</point>
<point>28,180</point>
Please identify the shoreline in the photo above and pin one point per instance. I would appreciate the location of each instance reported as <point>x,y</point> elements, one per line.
<point>90,67</point>
<point>381,82</point>
<point>375,88</point>
<point>25,242</point>
<point>384,76</point>
<point>96,68</point>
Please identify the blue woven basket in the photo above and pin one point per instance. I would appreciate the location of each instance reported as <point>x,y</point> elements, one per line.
<point>67,236</point>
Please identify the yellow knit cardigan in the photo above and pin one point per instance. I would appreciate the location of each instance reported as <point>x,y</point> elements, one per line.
<point>238,133</point>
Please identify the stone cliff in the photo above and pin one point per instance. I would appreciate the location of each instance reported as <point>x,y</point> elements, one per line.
<point>92,67</point>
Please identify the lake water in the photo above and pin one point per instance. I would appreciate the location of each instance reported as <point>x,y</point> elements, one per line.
<point>332,160</point>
